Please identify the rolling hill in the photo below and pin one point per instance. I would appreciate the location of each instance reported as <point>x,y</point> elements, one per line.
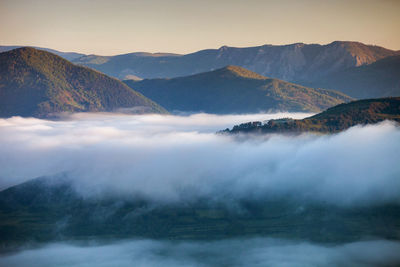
<point>233,89</point>
<point>332,120</point>
<point>38,83</point>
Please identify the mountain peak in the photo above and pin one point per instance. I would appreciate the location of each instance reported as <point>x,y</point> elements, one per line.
<point>26,51</point>
<point>25,48</point>
<point>32,54</point>
<point>65,55</point>
<point>242,72</point>
<point>223,48</point>
<point>362,54</point>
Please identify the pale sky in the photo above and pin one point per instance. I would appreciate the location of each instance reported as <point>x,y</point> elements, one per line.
<point>109,27</point>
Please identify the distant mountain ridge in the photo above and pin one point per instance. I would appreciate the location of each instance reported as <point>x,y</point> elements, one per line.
<point>297,62</point>
<point>234,89</point>
<point>38,83</point>
<point>332,120</point>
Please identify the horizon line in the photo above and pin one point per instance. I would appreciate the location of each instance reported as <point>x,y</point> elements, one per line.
<point>182,54</point>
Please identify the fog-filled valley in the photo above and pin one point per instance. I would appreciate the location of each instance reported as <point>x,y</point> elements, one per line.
<point>169,158</point>
<point>210,199</point>
<point>199,133</point>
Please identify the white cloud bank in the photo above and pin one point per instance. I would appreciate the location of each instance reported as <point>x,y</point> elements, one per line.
<point>235,252</point>
<point>167,158</point>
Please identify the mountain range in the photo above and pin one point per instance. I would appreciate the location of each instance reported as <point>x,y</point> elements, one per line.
<point>307,64</point>
<point>356,69</point>
<point>332,120</point>
<point>38,83</point>
<point>294,62</point>
<point>234,89</point>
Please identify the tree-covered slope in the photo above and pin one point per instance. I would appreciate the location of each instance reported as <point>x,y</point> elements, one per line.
<point>234,89</point>
<point>335,119</point>
<point>38,83</point>
<point>49,208</point>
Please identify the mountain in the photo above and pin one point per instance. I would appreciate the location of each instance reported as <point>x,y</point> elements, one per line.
<point>38,83</point>
<point>233,89</point>
<point>340,65</point>
<point>335,119</point>
<point>295,62</point>
<point>378,79</point>
<point>132,64</point>
<point>67,55</point>
<point>49,209</point>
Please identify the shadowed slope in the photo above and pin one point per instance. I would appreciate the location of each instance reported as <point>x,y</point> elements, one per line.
<point>379,79</point>
<point>233,89</point>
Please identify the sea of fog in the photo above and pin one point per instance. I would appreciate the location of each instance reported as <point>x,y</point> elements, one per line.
<point>166,158</point>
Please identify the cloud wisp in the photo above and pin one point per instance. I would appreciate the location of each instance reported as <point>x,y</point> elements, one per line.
<point>173,158</point>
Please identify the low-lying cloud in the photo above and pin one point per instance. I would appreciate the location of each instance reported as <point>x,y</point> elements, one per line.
<point>171,158</point>
<point>232,252</point>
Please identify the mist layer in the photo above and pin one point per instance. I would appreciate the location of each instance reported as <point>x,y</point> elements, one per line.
<point>173,159</point>
<point>231,252</point>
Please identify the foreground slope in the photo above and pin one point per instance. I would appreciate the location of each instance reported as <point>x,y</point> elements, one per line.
<point>38,83</point>
<point>233,89</point>
<point>49,208</point>
<point>335,119</point>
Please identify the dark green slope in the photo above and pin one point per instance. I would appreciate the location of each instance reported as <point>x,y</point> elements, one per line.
<point>335,119</point>
<point>38,83</point>
<point>48,209</point>
<point>234,89</point>
<point>379,79</point>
